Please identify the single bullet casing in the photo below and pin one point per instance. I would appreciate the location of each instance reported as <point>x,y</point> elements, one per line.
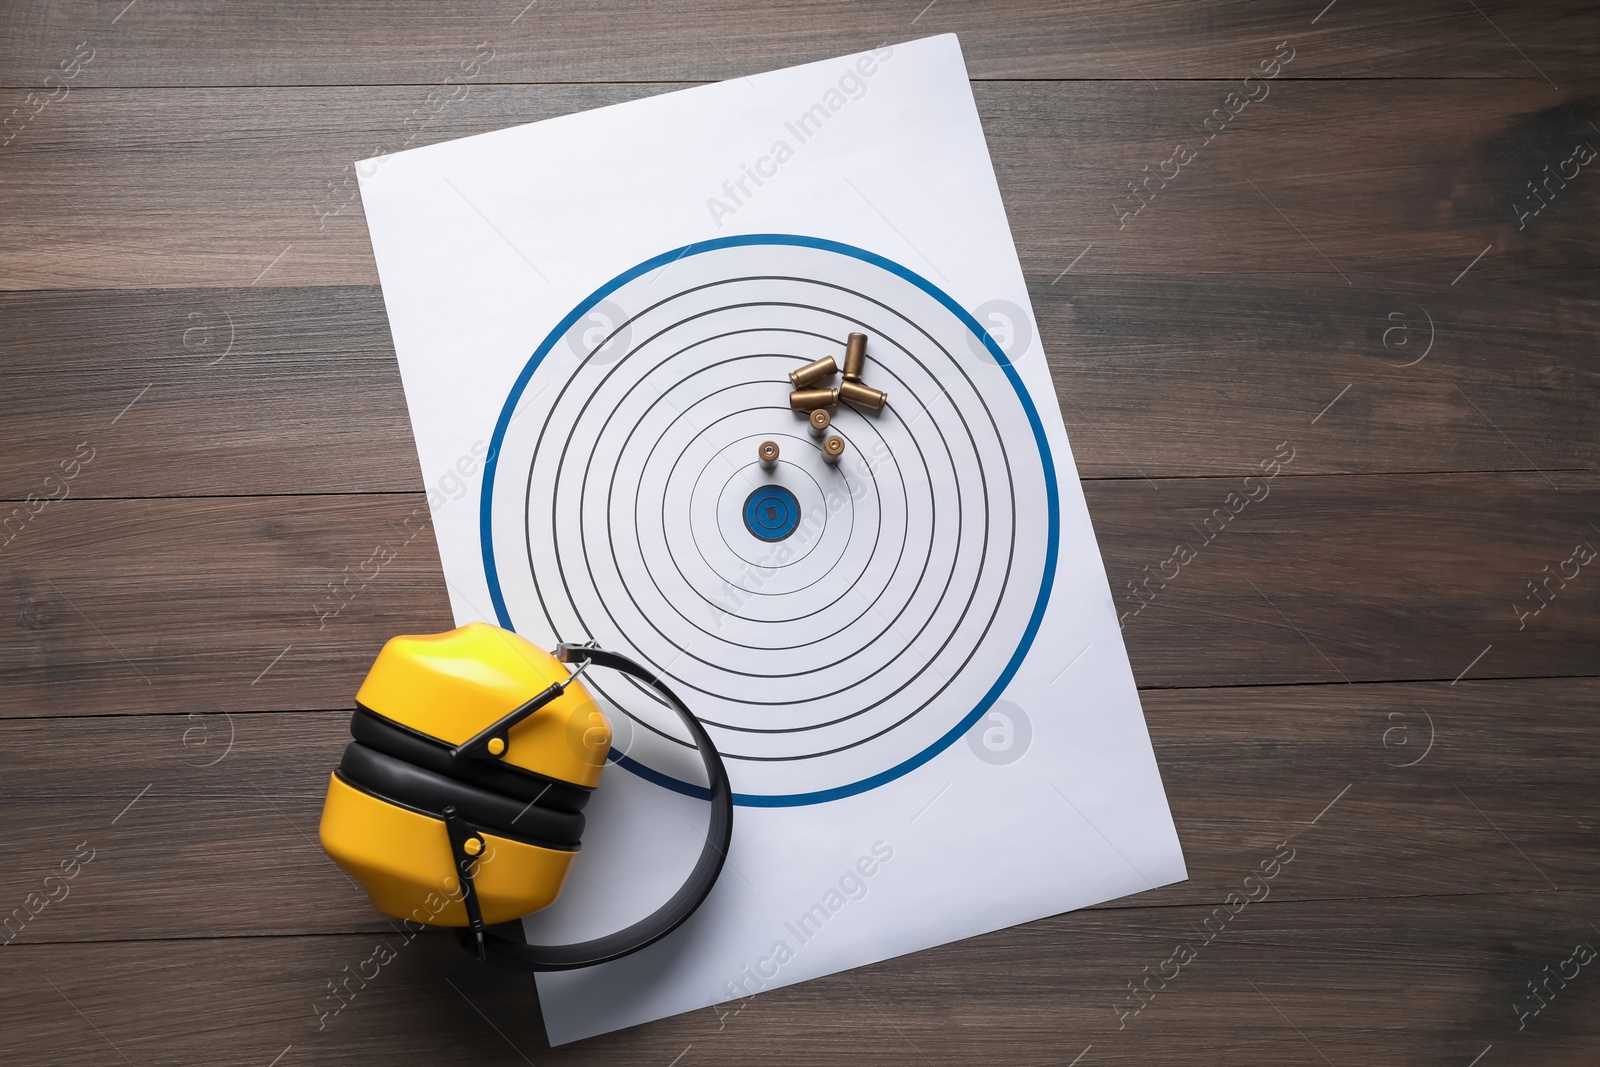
<point>768,452</point>
<point>833,448</point>
<point>811,399</point>
<point>862,395</point>
<point>820,420</point>
<point>815,371</point>
<point>855,356</point>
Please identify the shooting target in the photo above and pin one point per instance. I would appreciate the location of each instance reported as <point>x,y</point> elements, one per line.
<point>834,625</point>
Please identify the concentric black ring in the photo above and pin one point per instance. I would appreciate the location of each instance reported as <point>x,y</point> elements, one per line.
<point>629,448</point>
<point>618,364</point>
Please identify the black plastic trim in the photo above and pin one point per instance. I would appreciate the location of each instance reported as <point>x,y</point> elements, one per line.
<point>379,732</point>
<point>393,779</point>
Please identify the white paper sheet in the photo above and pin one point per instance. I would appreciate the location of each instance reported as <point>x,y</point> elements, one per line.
<point>910,658</point>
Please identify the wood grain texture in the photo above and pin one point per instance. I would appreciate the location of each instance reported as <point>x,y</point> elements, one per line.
<point>1430,979</point>
<point>295,391</point>
<point>271,390</point>
<point>125,606</point>
<point>1392,577</point>
<point>233,392</point>
<point>1328,178</point>
<point>218,604</point>
<point>300,42</point>
<point>1418,782</point>
<point>1352,668</point>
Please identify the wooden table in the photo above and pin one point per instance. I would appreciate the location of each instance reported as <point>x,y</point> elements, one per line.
<point>1389,663</point>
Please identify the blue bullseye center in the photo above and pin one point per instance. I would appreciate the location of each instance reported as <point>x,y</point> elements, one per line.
<point>771,513</point>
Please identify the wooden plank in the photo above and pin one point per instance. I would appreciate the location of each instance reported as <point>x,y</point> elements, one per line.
<point>295,390</point>
<point>1433,979</point>
<point>230,801</point>
<point>1345,771</point>
<point>226,604</point>
<point>264,183</point>
<point>1389,577</point>
<point>233,392</point>
<point>298,42</point>
<point>1206,375</point>
<point>221,604</point>
<point>172,661</point>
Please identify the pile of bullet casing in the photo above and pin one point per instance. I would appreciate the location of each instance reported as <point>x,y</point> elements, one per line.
<point>809,395</point>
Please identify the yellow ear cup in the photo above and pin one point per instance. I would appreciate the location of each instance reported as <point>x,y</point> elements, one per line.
<point>402,858</point>
<point>425,697</point>
<point>459,801</point>
<point>451,685</point>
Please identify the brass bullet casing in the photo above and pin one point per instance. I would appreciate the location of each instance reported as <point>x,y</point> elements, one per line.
<point>833,448</point>
<point>820,420</point>
<point>811,399</point>
<point>815,371</point>
<point>862,395</point>
<point>768,453</point>
<point>855,356</point>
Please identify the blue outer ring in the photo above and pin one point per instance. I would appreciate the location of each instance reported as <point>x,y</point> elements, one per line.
<point>766,496</point>
<point>1052,498</point>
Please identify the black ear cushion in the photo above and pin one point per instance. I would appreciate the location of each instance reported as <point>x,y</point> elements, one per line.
<point>419,788</point>
<point>389,737</point>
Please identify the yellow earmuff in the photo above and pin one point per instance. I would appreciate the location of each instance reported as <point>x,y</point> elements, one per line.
<point>460,800</point>
<point>383,821</point>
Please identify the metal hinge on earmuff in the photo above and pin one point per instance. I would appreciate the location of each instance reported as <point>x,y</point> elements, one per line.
<point>466,845</point>
<point>479,745</point>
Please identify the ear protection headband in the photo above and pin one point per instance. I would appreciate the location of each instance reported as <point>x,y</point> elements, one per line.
<point>460,800</point>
